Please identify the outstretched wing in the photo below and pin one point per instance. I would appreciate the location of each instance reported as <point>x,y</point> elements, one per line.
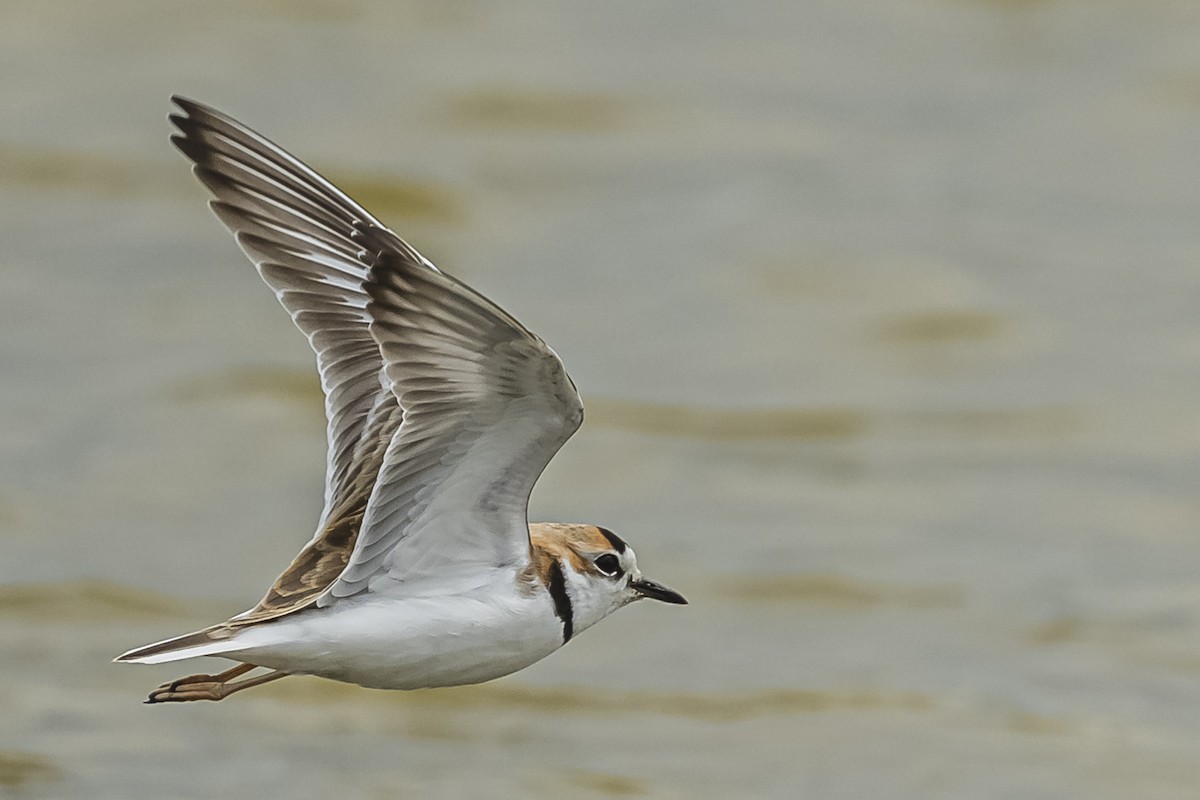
<point>486,406</point>
<point>442,409</point>
<point>297,229</point>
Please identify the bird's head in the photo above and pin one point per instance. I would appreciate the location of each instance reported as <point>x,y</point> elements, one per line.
<point>599,572</point>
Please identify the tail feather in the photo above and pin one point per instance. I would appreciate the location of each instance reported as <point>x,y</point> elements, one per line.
<point>208,642</point>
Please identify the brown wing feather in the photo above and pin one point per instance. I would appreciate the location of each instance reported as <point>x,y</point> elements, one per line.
<point>311,572</point>
<point>320,563</point>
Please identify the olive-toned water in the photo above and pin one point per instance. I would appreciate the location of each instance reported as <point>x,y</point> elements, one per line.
<point>887,320</point>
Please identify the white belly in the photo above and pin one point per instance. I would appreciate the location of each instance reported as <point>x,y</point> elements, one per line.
<point>390,643</point>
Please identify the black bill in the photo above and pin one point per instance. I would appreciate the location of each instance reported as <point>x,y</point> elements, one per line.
<point>656,591</point>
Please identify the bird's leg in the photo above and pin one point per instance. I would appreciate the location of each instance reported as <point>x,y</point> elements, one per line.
<point>220,677</point>
<point>210,687</point>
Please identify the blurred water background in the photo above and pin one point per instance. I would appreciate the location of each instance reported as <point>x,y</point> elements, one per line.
<point>887,319</point>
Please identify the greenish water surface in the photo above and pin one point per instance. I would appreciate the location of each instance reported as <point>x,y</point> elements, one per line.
<point>887,320</point>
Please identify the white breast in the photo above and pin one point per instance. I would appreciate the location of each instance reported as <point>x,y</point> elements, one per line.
<point>422,642</point>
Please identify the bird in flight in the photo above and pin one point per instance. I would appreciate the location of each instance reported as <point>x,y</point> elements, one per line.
<point>442,412</point>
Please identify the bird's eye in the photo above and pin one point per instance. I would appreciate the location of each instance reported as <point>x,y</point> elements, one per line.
<point>608,564</point>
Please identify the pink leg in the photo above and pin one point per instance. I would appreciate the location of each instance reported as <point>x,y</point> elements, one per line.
<point>210,687</point>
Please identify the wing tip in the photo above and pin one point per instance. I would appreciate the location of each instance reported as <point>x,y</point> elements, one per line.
<point>190,107</point>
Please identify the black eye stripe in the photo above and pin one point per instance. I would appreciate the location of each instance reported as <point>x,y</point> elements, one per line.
<point>617,542</point>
